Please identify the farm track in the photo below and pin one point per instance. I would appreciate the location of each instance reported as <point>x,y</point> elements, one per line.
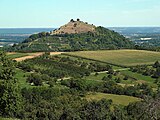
<point>123,69</point>
<point>33,55</point>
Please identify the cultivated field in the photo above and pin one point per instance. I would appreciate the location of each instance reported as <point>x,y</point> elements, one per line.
<point>121,57</point>
<point>117,99</point>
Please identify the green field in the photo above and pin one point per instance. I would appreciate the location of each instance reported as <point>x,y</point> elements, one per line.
<point>121,57</point>
<point>117,99</point>
<point>21,76</point>
<point>138,76</point>
<point>141,78</point>
<point>87,60</point>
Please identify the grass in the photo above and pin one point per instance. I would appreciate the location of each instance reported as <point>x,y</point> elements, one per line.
<point>140,78</point>
<point>121,57</point>
<point>87,61</point>
<point>22,76</point>
<point>96,78</point>
<point>117,99</point>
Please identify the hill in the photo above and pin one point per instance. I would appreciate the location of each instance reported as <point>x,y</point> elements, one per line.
<point>74,36</point>
<point>74,27</point>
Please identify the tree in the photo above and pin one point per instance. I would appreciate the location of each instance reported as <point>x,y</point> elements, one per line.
<point>96,74</point>
<point>99,110</point>
<point>156,64</point>
<point>156,73</point>
<point>149,109</point>
<point>110,71</point>
<point>119,113</point>
<point>118,80</point>
<point>11,102</point>
<point>36,79</point>
<point>8,69</point>
<point>110,76</point>
<point>125,77</point>
<point>71,20</point>
<point>105,78</point>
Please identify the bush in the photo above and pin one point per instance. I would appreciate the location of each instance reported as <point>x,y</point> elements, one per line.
<point>35,79</point>
<point>118,80</point>
<point>126,77</point>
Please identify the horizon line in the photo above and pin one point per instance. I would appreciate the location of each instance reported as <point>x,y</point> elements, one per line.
<point>58,27</point>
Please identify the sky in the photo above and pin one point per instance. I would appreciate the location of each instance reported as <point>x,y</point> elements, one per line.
<point>54,13</point>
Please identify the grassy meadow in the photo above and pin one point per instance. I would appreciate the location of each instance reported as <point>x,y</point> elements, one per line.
<point>121,57</point>
<point>117,99</point>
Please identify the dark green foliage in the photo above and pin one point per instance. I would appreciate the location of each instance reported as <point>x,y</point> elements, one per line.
<point>153,71</point>
<point>105,78</point>
<point>110,76</point>
<point>11,101</point>
<point>35,79</point>
<point>119,113</point>
<point>8,67</point>
<point>125,78</point>
<point>36,36</point>
<point>75,84</point>
<point>157,73</point>
<point>156,64</point>
<point>131,90</point>
<point>147,90</point>
<point>149,109</point>
<point>24,66</point>
<point>96,74</point>
<point>96,110</point>
<point>58,67</point>
<point>111,71</point>
<point>51,103</point>
<point>157,81</point>
<point>118,80</point>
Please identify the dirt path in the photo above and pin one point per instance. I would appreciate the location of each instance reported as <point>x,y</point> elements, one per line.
<point>10,53</point>
<point>33,55</point>
<point>56,53</point>
<point>122,69</point>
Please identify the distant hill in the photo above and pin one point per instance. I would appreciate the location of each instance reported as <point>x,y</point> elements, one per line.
<point>74,36</point>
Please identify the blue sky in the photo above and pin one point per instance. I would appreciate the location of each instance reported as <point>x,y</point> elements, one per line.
<point>54,13</point>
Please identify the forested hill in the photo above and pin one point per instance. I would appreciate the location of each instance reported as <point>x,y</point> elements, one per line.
<point>74,36</point>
